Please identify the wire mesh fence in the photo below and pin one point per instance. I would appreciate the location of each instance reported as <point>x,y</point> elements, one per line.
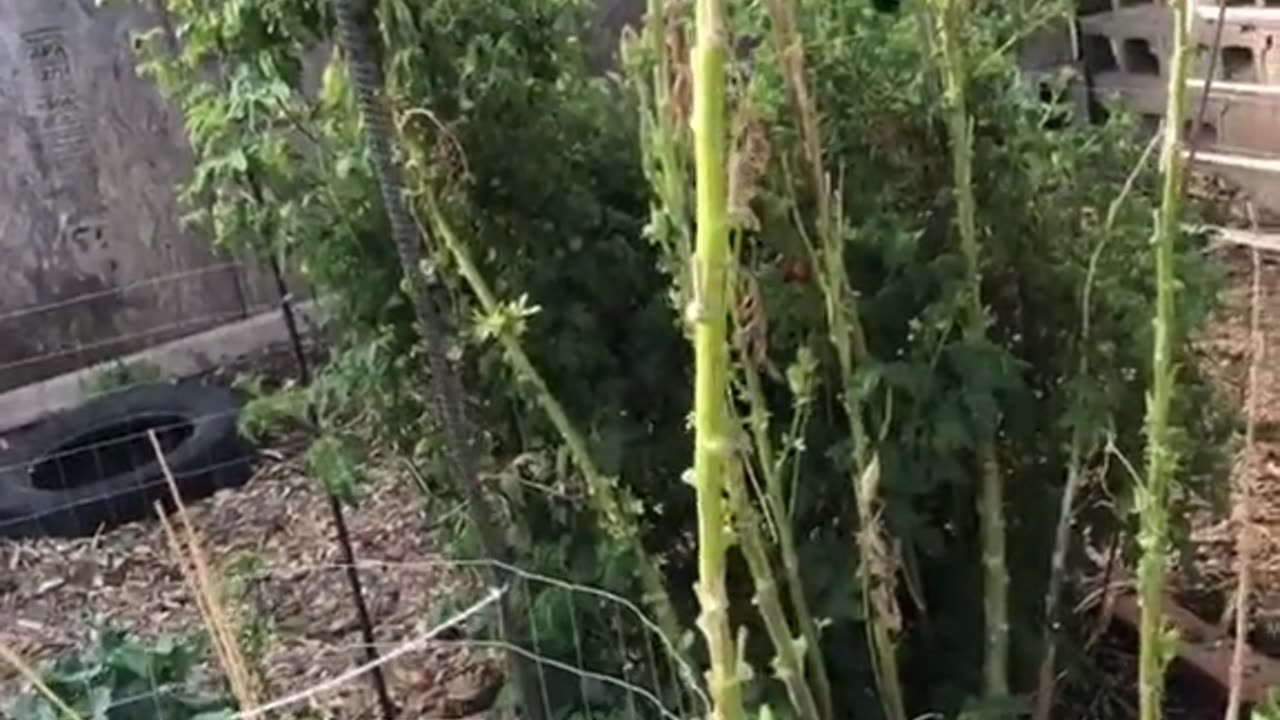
<point>65,331</point>
<point>439,639</point>
<point>84,557</point>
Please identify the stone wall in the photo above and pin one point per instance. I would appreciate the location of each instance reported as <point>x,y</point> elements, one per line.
<point>93,261</point>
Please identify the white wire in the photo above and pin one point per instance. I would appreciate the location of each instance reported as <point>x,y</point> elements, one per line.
<point>686,671</point>
<point>118,290</point>
<point>403,649</point>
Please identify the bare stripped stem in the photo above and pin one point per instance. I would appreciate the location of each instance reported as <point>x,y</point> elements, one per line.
<point>950,18</point>
<point>777,507</point>
<point>661,83</point>
<point>1083,444</point>
<point>608,500</point>
<point>1153,496</point>
<point>789,658</point>
<point>1243,505</point>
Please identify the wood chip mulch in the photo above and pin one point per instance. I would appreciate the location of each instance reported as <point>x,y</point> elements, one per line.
<point>273,540</point>
<point>1226,348</point>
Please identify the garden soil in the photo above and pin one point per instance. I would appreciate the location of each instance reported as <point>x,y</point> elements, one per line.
<point>272,544</point>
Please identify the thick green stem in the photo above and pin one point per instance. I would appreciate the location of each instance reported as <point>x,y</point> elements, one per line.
<point>1153,506</point>
<point>995,573</point>
<point>776,502</point>
<point>951,18</point>
<point>713,435</point>
<point>364,64</point>
<point>789,661</point>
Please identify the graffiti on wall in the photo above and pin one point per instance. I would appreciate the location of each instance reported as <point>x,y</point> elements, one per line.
<point>63,131</point>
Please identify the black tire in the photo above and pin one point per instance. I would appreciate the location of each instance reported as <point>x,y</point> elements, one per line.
<point>93,467</point>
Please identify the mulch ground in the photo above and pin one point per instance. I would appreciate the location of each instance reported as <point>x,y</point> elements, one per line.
<point>1227,348</point>
<point>273,545</point>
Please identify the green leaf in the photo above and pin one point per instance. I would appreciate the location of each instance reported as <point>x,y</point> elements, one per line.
<point>950,428</point>
<point>335,462</point>
<point>136,660</point>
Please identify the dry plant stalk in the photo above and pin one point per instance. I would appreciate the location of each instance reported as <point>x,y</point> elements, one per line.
<point>10,656</point>
<point>195,570</point>
<point>224,647</point>
<point>1153,495</point>
<point>878,566</point>
<point>1243,504</point>
<point>748,162</point>
<point>810,690</point>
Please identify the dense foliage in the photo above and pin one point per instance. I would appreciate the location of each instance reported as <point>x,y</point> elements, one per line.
<point>540,166</point>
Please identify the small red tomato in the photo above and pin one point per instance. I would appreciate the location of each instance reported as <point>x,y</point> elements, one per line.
<point>795,270</point>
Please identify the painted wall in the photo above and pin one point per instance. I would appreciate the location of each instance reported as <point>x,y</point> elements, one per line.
<point>89,220</point>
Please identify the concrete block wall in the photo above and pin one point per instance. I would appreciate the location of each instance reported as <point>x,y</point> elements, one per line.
<point>1125,49</point>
